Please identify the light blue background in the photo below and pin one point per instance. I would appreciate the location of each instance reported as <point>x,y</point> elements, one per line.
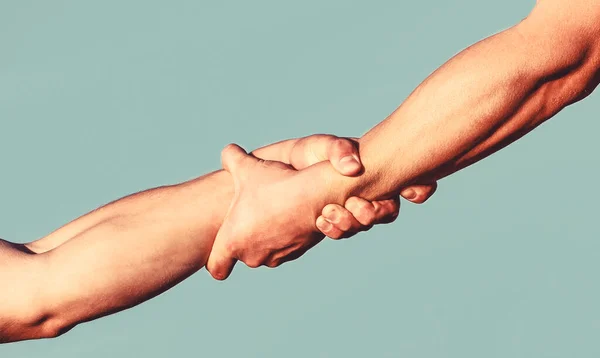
<point>102,99</point>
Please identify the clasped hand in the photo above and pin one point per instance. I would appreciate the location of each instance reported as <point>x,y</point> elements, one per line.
<point>277,214</point>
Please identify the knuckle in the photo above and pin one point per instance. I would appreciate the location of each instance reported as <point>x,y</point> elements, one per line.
<point>352,200</point>
<point>330,232</point>
<point>229,147</point>
<point>424,192</point>
<point>335,216</point>
<point>365,214</point>
<point>341,146</point>
<point>419,200</point>
<point>354,205</point>
<point>426,195</point>
<point>272,264</point>
<point>329,210</point>
<point>339,142</point>
<point>391,214</point>
<point>53,328</point>
<point>393,208</point>
<point>379,209</point>
<point>322,225</point>
<point>253,262</point>
<point>392,217</point>
<point>421,197</point>
<point>345,221</point>
<point>334,235</point>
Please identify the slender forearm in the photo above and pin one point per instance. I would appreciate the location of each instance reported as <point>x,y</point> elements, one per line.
<point>280,151</point>
<point>74,228</point>
<point>143,245</point>
<point>122,253</point>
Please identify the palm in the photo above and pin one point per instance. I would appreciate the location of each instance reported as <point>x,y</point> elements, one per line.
<point>258,229</point>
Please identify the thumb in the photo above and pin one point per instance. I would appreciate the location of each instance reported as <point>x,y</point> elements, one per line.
<point>221,260</point>
<point>220,267</point>
<point>343,155</point>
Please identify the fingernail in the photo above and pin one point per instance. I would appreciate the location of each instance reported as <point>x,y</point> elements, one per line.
<point>332,217</point>
<point>410,194</point>
<point>350,162</point>
<point>323,224</point>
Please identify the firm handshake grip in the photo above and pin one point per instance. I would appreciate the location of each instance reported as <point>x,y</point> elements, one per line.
<point>272,205</point>
<point>281,208</point>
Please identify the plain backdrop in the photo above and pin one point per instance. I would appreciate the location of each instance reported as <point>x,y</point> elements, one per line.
<point>99,99</point>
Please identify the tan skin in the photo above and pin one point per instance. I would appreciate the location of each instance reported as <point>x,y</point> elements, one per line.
<point>133,249</point>
<point>357,214</point>
<point>478,102</point>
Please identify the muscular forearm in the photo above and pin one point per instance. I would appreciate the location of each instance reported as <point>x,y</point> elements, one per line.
<point>137,248</point>
<point>486,97</point>
<point>481,100</point>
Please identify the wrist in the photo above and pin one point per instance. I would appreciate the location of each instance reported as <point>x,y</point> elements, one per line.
<point>331,187</point>
<point>210,197</point>
<point>327,186</point>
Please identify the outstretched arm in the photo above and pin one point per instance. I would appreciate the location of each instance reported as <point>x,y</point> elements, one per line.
<point>481,100</point>
<point>486,97</point>
<point>111,259</point>
<point>123,253</point>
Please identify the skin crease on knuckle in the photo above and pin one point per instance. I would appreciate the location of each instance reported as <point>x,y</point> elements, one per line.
<point>272,264</point>
<point>327,228</point>
<point>345,226</point>
<point>335,233</point>
<point>252,259</point>
<point>339,146</point>
<point>389,212</point>
<point>344,221</point>
<point>333,214</point>
<point>340,217</point>
<point>422,194</point>
<point>386,210</point>
<point>364,213</point>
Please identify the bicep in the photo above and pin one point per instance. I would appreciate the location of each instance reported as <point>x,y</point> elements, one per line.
<point>579,18</point>
<point>562,37</point>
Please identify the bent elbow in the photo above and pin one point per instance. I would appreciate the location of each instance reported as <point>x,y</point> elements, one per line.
<point>31,325</point>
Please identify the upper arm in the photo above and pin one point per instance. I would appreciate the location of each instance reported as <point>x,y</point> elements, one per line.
<point>573,20</point>
<point>564,39</point>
